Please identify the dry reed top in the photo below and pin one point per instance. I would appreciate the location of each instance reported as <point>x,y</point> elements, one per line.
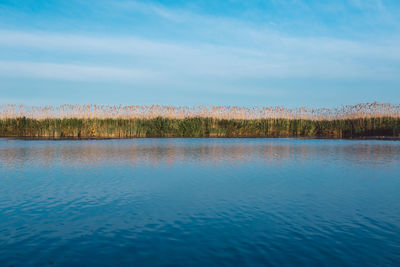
<point>366,110</point>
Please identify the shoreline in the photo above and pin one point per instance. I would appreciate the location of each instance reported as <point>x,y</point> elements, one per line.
<point>43,138</point>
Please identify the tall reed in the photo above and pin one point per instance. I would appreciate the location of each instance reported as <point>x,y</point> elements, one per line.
<point>366,110</point>
<point>96,121</point>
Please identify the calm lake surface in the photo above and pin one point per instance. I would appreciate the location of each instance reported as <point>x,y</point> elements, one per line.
<point>242,202</point>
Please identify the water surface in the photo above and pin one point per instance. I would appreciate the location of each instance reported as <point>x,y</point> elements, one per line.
<point>243,202</point>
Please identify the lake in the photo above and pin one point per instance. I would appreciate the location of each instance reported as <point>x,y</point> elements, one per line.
<point>234,202</point>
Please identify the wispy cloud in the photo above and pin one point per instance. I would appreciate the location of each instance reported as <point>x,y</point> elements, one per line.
<point>176,15</point>
<point>200,49</point>
<point>276,56</point>
<point>74,72</point>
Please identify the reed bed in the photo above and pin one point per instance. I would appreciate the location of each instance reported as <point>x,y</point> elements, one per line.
<point>97,121</point>
<point>366,110</point>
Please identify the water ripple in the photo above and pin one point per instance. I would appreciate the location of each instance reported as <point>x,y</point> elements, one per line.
<point>244,202</point>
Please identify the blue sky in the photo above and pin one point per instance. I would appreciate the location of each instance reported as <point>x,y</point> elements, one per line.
<point>276,52</point>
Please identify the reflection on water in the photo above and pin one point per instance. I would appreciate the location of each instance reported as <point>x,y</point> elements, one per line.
<point>155,151</point>
<point>199,202</point>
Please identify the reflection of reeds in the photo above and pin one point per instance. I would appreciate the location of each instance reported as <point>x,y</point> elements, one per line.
<point>140,152</point>
<point>86,121</point>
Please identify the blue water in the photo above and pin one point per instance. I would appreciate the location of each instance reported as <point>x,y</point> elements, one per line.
<point>242,202</point>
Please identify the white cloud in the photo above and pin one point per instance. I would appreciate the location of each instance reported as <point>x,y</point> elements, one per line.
<point>73,72</point>
<point>276,56</point>
<point>189,56</point>
<point>248,52</point>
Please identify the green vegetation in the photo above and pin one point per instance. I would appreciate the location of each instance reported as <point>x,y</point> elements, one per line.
<point>197,127</point>
<point>94,121</point>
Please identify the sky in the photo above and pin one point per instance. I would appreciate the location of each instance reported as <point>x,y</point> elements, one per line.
<point>275,52</point>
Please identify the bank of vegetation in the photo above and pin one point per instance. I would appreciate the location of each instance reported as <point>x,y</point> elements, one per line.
<point>91,121</point>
